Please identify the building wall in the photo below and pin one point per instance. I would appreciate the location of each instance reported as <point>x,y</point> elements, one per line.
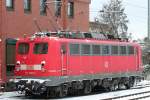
<point>99,27</point>
<point>81,18</point>
<point>0,39</point>
<point>16,23</point>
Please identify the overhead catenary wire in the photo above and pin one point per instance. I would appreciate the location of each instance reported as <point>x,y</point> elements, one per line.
<point>135,5</point>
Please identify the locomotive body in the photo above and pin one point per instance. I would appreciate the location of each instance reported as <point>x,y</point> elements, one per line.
<point>59,66</point>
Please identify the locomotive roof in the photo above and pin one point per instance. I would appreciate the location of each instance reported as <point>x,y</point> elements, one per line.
<point>68,40</point>
<point>78,37</point>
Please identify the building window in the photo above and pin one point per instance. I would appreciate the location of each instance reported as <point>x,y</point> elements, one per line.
<point>10,4</point>
<point>70,9</point>
<point>27,5</point>
<point>43,7</point>
<point>58,8</point>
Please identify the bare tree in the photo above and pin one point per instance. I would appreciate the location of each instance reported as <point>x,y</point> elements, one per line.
<point>113,14</point>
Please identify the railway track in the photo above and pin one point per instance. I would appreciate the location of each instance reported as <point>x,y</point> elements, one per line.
<point>133,96</point>
<point>135,93</point>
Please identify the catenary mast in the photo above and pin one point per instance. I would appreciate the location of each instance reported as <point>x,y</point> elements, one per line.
<point>149,19</point>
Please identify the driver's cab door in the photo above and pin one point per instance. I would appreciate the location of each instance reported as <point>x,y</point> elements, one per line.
<point>64,59</point>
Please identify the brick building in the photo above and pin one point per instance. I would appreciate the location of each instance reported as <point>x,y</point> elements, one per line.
<point>99,27</point>
<point>19,17</point>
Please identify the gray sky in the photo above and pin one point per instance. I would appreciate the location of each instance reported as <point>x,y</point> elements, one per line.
<point>136,11</point>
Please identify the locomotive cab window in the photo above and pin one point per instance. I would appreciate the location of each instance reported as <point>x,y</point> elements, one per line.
<point>23,48</point>
<point>41,48</point>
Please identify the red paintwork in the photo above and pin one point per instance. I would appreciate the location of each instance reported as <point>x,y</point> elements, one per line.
<point>76,65</point>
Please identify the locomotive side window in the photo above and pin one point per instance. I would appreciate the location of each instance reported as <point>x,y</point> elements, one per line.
<point>74,49</point>
<point>96,50</point>
<point>130,50</point>
<point>105,50</point>
<point>85,49</point>
<point>41,48</point>
<point>123,50</point>
<point>114,50</point>
<point>23,48</point>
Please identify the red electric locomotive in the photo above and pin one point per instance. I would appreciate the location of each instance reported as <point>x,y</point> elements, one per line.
<point>52,64</point>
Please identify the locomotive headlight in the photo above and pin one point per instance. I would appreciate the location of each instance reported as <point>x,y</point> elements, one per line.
<point>18,62</point>
<point>43,63</point>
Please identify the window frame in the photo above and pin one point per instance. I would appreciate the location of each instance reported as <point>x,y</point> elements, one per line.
<point>40,43</point>
<point>58,8</point>
<point>121,54</point>
<point>27,6</point>
<point>129,50</point>
<point>70,9</point>
<point>18,50</point>
<point>10,5</point>
<point>83,52</point>
<point>109,52</point>
<point>100,51</point>
<point>78,49</point>
<point>43,10</point>
<point>113,54</point>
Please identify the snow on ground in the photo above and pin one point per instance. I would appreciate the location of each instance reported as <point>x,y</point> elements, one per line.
<point>145,99</point>
<point>143,83</point>
<point>10,95</point>
<point>16,96</point>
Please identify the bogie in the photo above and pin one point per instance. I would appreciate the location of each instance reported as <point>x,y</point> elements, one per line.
<point>80,87</point>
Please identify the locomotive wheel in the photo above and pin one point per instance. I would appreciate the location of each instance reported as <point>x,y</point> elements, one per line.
<point>72,92</point>
<point>47,93</point>
<point>27,94</point>
<point>120,86</point>
<point>113,87</point>
<point>63,91</point>
<point>130,84</point>
<point>127,86</point>
<point>51,92</point>
<point>87,88</point>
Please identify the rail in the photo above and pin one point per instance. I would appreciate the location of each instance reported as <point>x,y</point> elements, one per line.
<point>132,96</point>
